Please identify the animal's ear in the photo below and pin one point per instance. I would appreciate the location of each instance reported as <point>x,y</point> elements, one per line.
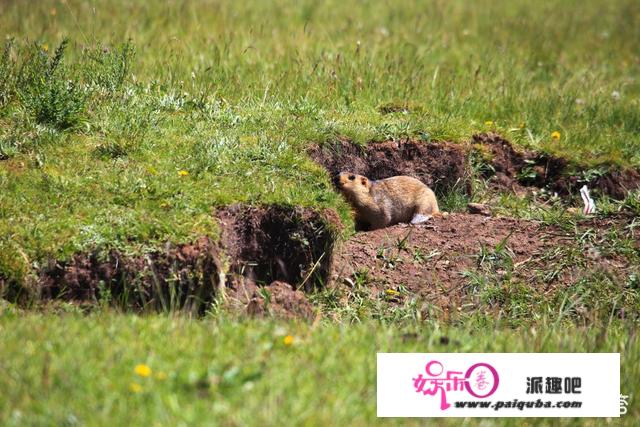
<point>363,180</point>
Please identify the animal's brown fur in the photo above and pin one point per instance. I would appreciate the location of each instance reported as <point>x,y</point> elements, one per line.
<point>389,201</point>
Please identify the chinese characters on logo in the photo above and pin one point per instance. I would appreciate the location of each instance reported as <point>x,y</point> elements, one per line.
<point>554,385</point>
<point>480,380</point>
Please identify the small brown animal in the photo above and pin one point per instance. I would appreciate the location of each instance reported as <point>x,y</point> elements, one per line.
<point>389,201</point>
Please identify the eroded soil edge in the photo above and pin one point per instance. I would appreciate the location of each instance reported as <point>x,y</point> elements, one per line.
<point>447,166</point>
<point>265,256</point>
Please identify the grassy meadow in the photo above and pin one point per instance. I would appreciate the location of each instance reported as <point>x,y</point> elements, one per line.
<point>73,369</point>
<point>124,124</point>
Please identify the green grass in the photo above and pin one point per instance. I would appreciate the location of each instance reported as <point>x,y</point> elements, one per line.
<point>56,371</point>
<point>155,113</point>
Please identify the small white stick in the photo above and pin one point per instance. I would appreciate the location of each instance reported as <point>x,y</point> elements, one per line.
<point>589,204</point>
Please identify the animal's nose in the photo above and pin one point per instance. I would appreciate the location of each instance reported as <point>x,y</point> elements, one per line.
<point>336,180</point>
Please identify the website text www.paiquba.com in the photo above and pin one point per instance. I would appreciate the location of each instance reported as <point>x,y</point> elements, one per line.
<point>519,404</point>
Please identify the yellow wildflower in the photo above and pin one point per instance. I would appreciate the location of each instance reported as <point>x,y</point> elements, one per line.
<point>392,292</point>
<point>135,387</point>
<point>555,134</point>
<point>45,47</point>
<point>183,173</point>
<point>288,340</point>
<point>142,370</point>
<point>489,123</point>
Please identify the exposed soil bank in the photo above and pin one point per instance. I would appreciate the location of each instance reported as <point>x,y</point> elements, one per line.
<point>259,246</point>
<point>179,277</point>
<point>441,165</point>
<point>268,256</point>
<point>445,165</point>
<point>278,299</point>
<point>450,263</point>
<point>511,168</point>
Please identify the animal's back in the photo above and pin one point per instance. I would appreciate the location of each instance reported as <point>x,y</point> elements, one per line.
<point>402,197</point>
<point>379,204</point>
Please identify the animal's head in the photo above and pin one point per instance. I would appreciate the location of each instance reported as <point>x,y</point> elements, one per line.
<point>352,185</point>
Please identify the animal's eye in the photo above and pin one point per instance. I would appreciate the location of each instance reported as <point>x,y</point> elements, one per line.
<point>352,177</point>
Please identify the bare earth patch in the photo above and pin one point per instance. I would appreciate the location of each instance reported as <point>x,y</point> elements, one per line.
<point>436,263</point>
<point>278,299</point>
<point>430,260</point>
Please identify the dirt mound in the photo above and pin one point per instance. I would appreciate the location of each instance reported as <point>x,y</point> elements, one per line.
<point>431,260</point>
<point>446,165</point>
<point>279,299</point>
<point>440,165</point>
<point>444,262</point>
<point>266,244</point>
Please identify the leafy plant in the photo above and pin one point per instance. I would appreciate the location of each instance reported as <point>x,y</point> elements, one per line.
<point>589,175</point>
<point>47,91</point>
<point>109,68</point>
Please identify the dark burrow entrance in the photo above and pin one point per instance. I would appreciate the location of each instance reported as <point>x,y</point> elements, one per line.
<point>276,243</point>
